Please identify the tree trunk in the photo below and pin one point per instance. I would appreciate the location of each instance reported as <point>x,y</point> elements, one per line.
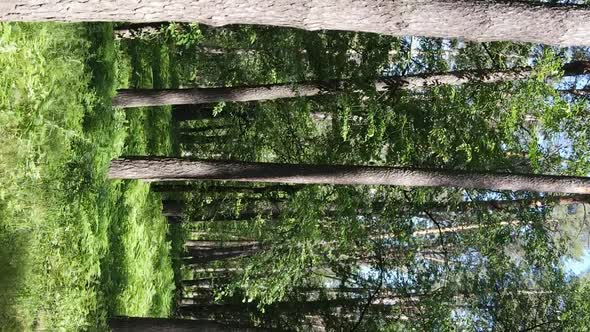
<point>200,130</point>
<point>174,169</point>
<point>516,203</point>
<point>472,20</point>
<point>159,97</point>
<point>203,256</point>
<point>187,187</point>
<point>583,92</point>
<point>218,243</point>
<point>191,112</point>
<point>443,230</point>
<point>141,324</point>
<point>203,282</point>
<point>173,188</point>
<point>223,271</point>
<point>206,310</point>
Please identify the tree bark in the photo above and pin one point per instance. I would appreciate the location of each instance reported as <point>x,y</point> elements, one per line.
<point>190,112</point>
<point>202,256</point>
<point>473,20</point>
<point>517,203</point>
<point>200,130</point>
<point>174,169</point>
<point>187,187</point>
<point>141,324</point>
<point>222,271</point>
<point>583,92</point>
<point>218,243</point>
<point>203,282</point>
<point>159,97</point>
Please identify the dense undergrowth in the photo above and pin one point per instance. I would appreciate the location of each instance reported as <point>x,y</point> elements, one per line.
<point>75,247</point>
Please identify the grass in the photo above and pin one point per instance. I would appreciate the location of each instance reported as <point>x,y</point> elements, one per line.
<point>75,247</point>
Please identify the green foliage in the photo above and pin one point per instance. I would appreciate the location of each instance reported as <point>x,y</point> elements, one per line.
<point>365,237</point>
<point>71,254</point>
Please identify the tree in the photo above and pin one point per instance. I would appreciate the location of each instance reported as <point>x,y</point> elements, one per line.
<point>158,97</point>
<point>141,324</point>
<point>173,169</point>
<point>477,21</point>
<point>201,256</point>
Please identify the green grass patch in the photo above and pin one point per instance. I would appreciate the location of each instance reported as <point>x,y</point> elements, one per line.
<point>75,247</point>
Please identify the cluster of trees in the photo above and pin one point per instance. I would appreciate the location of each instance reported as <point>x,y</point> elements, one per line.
<point>354,181</point>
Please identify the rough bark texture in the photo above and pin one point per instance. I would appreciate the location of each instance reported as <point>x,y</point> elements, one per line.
<point>140,324</point>
<point>156,97</point>
<point>172,169</point>
<point>473,20</point>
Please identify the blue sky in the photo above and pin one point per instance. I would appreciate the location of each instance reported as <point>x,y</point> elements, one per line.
<point>580,266</point>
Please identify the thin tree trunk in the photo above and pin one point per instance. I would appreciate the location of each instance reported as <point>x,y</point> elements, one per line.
<point>174,169</point>
<point>517,203</point>
<point>200,130</point>
<point>202,282</point>
<point>278,307</point>
<point>443,230</point>
<point>173,188</point>
<point>158,97</point>
<point>202,256</point>
<point>142,324</point>
<point>218,243</point>
<point>187,187</point>
<point>583,92</point>
<point>472,20</point>
<point>226,270</point>
<point>191,112</point>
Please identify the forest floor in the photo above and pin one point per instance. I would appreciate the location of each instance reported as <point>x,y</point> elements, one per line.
<point>75,247</point>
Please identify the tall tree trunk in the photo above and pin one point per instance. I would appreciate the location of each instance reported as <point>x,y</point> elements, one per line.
<point>142,324</point>
<point>191,112</point>
<point>174,169</point>
<point>158,97</point>
<point>200,130</point>
<point>202,256</point>
<point>203,282</point>
<point>223,271</point>
<point>516,203</point>
<point>218,243</point>
<point>187,187</point>
<point>155,97</point>
<point>206,310</point>
<point>583,92</point>
<point>173,188</point>
<point>443,230</point>
<point>472,20</point>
